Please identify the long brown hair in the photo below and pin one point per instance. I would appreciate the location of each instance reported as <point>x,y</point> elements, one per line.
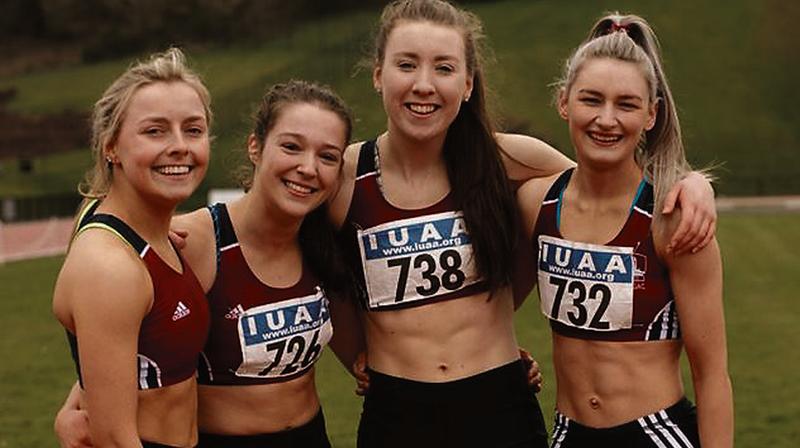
<point>475,168</point>
<point>317,235</point>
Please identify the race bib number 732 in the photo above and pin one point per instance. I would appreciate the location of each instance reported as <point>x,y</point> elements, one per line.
<point>416,259</point>
<point>587,286</point>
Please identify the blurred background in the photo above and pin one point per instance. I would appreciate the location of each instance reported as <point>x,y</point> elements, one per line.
<point>733,68</point>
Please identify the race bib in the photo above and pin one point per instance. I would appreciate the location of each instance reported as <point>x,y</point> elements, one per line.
<point>281,339</point>
<point>416,259</point>
<point>586,286</point>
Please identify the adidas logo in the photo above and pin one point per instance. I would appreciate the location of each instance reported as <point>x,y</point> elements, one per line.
<point>235,313</point>
<point>181,311</point>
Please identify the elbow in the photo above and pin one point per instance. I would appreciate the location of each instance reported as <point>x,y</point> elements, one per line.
<point>115,437</point>
<point>711,377</point>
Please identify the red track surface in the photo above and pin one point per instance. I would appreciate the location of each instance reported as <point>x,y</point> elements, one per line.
<point>24,240</point>
<point>20,241</point>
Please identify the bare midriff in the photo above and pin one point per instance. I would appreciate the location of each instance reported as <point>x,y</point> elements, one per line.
<point>603,384</point>
<point>258,409</point>
<point>443,341</point>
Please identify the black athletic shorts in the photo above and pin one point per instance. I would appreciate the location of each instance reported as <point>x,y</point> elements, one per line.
<point>309,435</point>
<point>146,444</point>
<point>673,427</point>
<point>496,409</point>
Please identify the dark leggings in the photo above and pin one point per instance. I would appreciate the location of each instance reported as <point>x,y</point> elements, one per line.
<point>309,435</point>
<point>494,409</point>
<point>146,444</point>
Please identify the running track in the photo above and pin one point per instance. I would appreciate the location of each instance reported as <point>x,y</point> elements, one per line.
<point>21,241</point>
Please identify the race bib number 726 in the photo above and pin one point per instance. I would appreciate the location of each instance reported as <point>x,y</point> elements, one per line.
<point>416,259</point>
<point>284,338</point>
<point>587,286</point>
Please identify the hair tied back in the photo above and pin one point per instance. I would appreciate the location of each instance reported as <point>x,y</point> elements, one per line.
<point>617,27</point>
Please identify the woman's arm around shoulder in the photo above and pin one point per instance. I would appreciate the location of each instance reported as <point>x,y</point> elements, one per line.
<point>348,334</point>
<point>102,294</point>
<point>528,157</point>
<point>71,424</point>
<point>696,280</point>
<point>698,214</point>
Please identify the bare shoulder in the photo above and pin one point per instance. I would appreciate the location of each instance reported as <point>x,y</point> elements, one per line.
<point>526,157</point>
<point>103,257</point>
<point>339,203</point>
<point>197,224</point>
<point>529,199</point>
<point>194,220</point>
<point>102,276</point>
<point>537,187</point>
<point>351,160</point>
<point>200,244</point>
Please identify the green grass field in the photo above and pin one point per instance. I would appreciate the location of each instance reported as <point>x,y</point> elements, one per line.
<point>761,284</point>
<point>731,65</point>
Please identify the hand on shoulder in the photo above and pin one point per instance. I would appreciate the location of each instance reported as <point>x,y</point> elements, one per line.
<point>199,244</point>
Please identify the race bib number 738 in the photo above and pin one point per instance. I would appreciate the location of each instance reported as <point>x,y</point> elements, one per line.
<point>416,259</point>
<point>587,286</point>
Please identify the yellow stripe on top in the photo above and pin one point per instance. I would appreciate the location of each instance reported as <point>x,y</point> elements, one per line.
<point>82,214</point>
<point>76,227</point>
<point>97,225</point>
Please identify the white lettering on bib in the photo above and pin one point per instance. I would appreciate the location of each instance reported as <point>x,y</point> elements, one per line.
<point>283,338</point>
<point>586,286</point>
<point>416,259</point>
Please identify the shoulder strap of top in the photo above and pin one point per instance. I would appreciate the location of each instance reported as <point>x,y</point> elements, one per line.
<point>556,191</point>
<point>223,229</point>
<point>366,159</point>
<point>645,198</point>
<point>87,212</point>
<point>116,226</point>
<point>558,186</point>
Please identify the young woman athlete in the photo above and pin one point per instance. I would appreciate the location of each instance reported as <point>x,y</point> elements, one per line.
<point>267,262</point>
<point>621,306</point>
<point>134,312</point>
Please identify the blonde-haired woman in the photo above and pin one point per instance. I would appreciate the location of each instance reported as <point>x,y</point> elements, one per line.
<point>621,305</point>
<point>134,312</point>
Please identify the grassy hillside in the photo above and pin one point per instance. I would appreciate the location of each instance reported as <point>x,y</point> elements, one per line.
<point>761,285</point>
<point>732,66</point>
